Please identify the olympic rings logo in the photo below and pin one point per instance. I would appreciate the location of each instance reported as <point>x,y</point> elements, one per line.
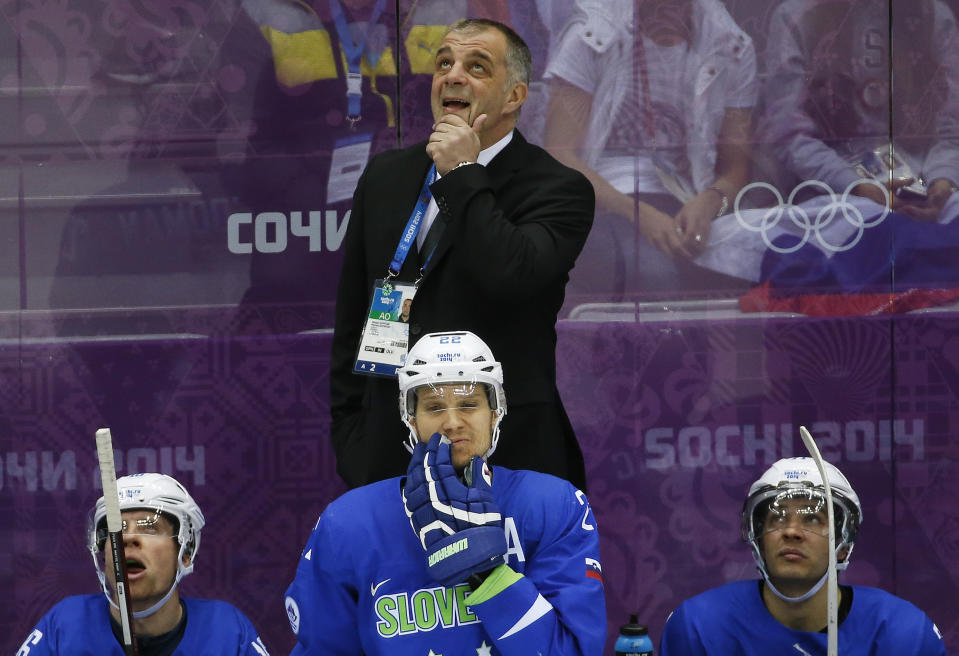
<point>801,220</point>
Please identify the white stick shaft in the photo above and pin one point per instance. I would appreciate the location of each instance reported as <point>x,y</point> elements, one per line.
<point>832,584</point>
<point>108,478</point>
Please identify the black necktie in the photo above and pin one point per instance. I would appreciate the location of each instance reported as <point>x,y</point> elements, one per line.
<point>431,240</point>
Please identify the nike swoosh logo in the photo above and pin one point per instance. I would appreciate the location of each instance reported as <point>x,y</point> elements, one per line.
<point>374,588</point>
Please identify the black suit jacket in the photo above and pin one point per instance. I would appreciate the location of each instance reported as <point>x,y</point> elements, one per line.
<point>512,232</point>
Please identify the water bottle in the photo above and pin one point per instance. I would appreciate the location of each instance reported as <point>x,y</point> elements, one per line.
<point>634,639</point>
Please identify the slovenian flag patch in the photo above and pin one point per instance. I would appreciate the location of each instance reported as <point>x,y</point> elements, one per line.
<point>594,570</point>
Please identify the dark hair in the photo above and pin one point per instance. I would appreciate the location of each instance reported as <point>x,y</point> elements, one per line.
<point>519,61</point>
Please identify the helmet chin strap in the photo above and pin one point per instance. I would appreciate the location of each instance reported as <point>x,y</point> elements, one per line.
<point>140,614</point>
<point>761,566</point>
<point>413,438</point>
<point>494,438</point>
<point>794,600</point>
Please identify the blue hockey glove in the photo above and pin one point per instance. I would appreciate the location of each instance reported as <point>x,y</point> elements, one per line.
<point>459,525</point>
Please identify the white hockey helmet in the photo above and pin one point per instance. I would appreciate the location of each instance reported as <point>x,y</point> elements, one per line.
<point>454,357</point>
<point>800,478</point>
<point>160,493</point>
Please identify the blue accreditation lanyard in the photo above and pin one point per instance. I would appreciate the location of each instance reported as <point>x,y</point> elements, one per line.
<point>354,55</point>
<point>413,228</point>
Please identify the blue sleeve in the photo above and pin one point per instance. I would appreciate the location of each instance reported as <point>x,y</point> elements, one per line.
<point>679,637</point>
<point>558,607</point>
<point>931,641</point>
<point>321,603</point>
<point>250,642</point>
<point>40,641</point>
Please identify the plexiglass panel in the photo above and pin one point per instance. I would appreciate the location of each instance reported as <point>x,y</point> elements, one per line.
<point>774,245</point>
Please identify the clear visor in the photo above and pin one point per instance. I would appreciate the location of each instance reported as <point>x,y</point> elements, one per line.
<point>803,510</point>
<point>149,524</point>
<point>467,397</point>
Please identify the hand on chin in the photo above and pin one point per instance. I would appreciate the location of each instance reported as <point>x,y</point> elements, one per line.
<point>454,141</point>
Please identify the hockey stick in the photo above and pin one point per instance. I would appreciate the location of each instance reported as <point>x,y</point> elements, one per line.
<point>832,586</point>
<point>108,478</point>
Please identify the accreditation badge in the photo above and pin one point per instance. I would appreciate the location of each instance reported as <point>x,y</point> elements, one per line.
<point>350,155</point>
<point>386,333</point>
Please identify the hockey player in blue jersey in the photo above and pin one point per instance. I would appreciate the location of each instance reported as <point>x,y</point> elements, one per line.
<point>455,558</point>
<point>161,537</point>
<point>785,521</point>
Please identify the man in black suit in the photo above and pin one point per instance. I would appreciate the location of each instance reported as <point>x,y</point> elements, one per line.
<point>494,254</point>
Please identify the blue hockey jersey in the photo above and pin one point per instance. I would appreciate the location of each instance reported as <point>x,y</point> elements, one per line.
<point>80,626</point>
<point>732,620</point>
<point>362,585</point>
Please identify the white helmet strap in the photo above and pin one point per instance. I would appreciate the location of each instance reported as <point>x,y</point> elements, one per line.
<point>181,571</point>
<point>761,566</point>
<point>496,403</point>
<point>795,600</point>
<point>139,614</point>
<point>412,438</point>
